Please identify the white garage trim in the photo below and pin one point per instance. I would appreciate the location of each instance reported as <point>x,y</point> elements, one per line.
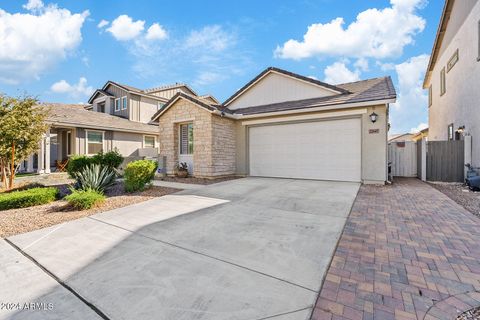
<point>307,117</point>
<point>319,150</point>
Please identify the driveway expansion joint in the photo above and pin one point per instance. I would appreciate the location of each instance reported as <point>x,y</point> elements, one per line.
<point>59,281</point>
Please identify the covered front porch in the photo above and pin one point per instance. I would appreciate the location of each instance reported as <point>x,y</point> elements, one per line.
<point>54,149</point>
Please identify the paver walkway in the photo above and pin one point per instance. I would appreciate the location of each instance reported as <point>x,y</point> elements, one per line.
<point>407,252</point>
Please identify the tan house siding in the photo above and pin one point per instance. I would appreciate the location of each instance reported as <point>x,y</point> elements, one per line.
<point>374,145</point>
<point>118,93</point>
<point>224,144</point>
<point>213,138</point>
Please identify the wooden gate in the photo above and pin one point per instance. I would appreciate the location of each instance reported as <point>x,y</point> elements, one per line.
<point>403,156</point>
<point>445,161</point>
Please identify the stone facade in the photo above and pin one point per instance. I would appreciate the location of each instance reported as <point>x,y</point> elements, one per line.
<point>213,139</point>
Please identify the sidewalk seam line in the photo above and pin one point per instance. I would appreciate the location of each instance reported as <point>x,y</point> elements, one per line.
<point>59,281</point>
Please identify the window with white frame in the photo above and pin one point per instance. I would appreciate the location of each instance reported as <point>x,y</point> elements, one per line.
<point>443,82</point>
<point>186,138</point>
<point>94,141</point>
<point>148,141</point>
<point>124,103</point>
<point>160,105</point>
<point>117,104</point>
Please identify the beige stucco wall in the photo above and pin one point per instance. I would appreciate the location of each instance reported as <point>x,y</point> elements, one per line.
<point>142,108</point>
<point>459,105</point>
<point>275,88</point>
<point>374,145</point>
<point>213,139</point>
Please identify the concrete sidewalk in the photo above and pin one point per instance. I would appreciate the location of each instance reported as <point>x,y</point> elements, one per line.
<point>251,248</point>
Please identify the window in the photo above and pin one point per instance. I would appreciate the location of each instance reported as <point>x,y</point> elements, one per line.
<point>117,104</point>
<point>94,142</point>
<point>430,96</point>
<point>124,103</point>
<point>443,82</point>
<point>186,138</point>
<point>160,105</point>
<point>148,141</point>
<point>450,132</point>
<point>453,60</point>
<point>101,108</point>
<point>69,142</point>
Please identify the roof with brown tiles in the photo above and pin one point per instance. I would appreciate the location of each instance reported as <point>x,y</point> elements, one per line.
<point>75,115</point>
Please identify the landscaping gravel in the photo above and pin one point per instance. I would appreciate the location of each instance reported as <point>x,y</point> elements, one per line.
<point>472,314</point>
<point>17,221</point>
<point>459,193</point>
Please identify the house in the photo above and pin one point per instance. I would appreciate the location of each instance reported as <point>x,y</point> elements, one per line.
<point>402,137</point>
<point>453,76</point>
<point>118,117</point>
<point>422,134</point>
<point>281,124</point>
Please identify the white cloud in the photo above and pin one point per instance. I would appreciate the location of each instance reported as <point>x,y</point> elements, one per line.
<point>375,33</point>
<point>123,28</point>
<point>362,64</point>
<point>207,78</point>
<point>34,42</point>
<point>419,128</point>
<point>33,5</point>
<point>388,66</point>
<point>411,106</point>
<point>338,72</point>
<point>156,32</point>
<point>103,23</point>
<point>210,38</point>
<point>78,90</point>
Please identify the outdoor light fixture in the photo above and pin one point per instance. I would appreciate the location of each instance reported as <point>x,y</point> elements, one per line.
<point>373,117</point>
<point>461,129</point>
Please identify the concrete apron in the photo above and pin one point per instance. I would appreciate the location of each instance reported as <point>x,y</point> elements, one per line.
<point>251,248</point>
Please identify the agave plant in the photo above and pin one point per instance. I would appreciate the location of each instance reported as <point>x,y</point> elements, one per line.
<point>96,177</point>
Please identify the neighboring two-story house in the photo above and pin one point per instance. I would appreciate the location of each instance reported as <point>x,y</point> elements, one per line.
<point>117,117</point>
<point>453,76</point>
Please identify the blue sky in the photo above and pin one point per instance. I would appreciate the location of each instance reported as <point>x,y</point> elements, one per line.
<point>60,51</point>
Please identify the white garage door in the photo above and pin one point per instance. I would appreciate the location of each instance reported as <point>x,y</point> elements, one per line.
<point>324,150</point>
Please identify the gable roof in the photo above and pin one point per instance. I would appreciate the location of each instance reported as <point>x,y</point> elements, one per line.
<point>170,87</point>
<point>127,88</point>
<point>97,92</point>
<point>442,28</point>
<point>365,91</point>
<point>74,115</point>
<point>286,73</point>
<point>180,95</point>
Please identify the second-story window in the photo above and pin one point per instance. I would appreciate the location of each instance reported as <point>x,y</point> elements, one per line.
<point>443,82</point>
<point>124,103</point>
<point>117,104</point>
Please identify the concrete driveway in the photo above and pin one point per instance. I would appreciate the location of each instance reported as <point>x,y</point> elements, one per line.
<point>253,248</point>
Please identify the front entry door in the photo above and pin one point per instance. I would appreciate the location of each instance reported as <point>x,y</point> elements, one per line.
<point>186,145</point>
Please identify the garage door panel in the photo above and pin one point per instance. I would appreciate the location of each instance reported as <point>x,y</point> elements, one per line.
<point>327,150</point>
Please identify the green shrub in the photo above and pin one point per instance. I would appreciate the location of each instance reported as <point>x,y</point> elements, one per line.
<point>77,163</point>
<point>84,199</point>
<point>138,174</point>
<point>111,159</point>
<point>27,198</point>
<point>96,177</point>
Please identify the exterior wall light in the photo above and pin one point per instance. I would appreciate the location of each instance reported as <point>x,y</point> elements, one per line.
<point>373,117</point>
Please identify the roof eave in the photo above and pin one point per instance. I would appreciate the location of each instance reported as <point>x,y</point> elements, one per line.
<point>442,27</point>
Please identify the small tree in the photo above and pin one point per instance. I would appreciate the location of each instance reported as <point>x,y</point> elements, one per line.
<point>22,124</point>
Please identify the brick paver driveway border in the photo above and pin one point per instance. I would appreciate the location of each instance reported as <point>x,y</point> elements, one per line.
<point>407,252</point>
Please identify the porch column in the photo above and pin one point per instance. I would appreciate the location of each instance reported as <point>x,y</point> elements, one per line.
<point>30,163</point>
<point>41,157</point>
<point>47,152</point>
